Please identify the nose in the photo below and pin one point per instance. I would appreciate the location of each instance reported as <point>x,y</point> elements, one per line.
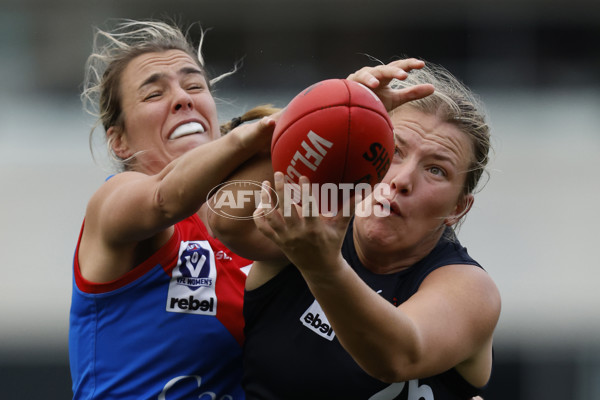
<point>402,178</point>
<point>182,100</point>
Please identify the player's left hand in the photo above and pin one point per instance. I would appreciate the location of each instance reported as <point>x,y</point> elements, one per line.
<point>378,78</point>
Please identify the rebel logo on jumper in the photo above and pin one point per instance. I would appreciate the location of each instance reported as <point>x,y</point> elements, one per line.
<point>192,285</point>
<point>314,319</point>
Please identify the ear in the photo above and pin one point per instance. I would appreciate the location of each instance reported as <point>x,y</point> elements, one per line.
<point>117,140</point>
<point>462,208</point>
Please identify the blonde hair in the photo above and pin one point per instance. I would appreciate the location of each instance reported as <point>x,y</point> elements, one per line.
<point>257,112</point>
<point>112,52</point>
<point>454,103</point>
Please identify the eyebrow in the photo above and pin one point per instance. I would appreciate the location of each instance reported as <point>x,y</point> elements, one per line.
<point>436,156</point>
<point>160,75</point>
<point>443,157</point>
<point>398,138</point>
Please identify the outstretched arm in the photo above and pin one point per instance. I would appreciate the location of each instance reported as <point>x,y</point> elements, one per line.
<point>133,214</point>
<point>448,323</point>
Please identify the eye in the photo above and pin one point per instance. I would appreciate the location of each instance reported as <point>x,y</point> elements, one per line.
<point>195,87</point>
<point>437,171</point>
<point>398,151</point>
<point>152,95</point>
<point>193,83</point>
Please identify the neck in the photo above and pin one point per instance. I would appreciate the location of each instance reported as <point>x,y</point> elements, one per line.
<point>378,260</point>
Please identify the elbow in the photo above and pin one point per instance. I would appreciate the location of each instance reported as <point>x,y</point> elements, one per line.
<point>392,373</point>
<point>171,209</point>
<point>400,366</point>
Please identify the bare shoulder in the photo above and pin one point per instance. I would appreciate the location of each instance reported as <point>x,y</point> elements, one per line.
<point>126,208</point>
<point>471,290</point>
<point>109,245</point>
<point>466,298</point>
<point>114,183</point>
<point>469,281</point>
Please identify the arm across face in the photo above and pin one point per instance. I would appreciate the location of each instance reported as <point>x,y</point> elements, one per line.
<point>231,208</point>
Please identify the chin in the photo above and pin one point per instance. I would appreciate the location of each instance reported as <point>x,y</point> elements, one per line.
<point>191,142</point>
<point>379,230</point>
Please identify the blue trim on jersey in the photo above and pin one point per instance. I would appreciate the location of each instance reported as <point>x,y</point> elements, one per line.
<point>127,344</point>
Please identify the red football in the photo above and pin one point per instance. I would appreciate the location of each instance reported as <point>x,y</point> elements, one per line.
<point>335,131</point>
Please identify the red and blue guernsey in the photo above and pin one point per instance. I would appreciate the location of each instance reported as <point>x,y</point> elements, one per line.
<point>171,328</point>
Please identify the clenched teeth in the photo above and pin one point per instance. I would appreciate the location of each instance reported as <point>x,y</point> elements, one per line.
<point>187,129</point>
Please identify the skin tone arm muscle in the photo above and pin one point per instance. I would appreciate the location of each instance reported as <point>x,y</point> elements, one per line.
<point>240,234</point>
<point>444,324</point>
<point>448,322</point>
<point>132,214</point>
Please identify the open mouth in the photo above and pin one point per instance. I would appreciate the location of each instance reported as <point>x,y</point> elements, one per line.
<point>395,209</point>
<point>389,208</point>
<point>186,129</point>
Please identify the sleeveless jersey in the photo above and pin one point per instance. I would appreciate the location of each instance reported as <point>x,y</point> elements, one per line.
<point>291,351</point>
<point>171,328</point>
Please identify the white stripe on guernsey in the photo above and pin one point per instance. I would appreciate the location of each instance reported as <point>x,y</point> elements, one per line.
<point>246,269</point>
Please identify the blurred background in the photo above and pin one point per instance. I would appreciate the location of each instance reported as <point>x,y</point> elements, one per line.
<point>535,63</point>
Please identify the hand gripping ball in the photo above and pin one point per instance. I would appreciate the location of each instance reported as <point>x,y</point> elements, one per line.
<point>336,131</point>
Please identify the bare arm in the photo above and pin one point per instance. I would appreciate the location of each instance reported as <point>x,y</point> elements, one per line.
<point>132,214</point>
<point>448,323</point>
<point>234,225</point>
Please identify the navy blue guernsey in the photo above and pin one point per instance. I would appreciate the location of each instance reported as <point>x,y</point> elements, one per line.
<point>291,351</point>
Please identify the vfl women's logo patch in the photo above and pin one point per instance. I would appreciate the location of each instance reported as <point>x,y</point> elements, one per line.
<point>192,286</point>
<point>194,266</point>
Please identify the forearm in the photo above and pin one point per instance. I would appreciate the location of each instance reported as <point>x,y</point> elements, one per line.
<point>381,339</point>
<point>185,183</point>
